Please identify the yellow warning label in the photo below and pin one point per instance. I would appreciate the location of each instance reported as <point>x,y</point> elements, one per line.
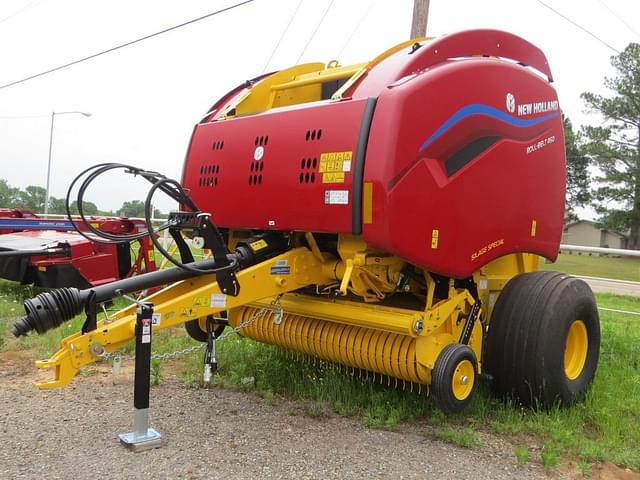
<point>42,269</point>
<point>200,301</point>
<point>152,257</point>
<point>435,234</point>
<point>188,312</point>
<point>534,227</point>
<point>258,245</point>
<point>333,177</point>
<point>335,162</point>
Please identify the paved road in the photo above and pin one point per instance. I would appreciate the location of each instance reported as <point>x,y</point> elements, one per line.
<point>607,285</point>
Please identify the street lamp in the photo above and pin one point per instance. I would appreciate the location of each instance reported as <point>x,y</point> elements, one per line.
<point>53,116</point>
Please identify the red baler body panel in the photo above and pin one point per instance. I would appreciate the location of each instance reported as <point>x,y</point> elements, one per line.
<point>264,171</point>
<point>463,181</point>
<point>464,158</point>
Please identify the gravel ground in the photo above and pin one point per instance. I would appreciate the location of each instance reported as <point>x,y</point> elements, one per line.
<point>216,433</point>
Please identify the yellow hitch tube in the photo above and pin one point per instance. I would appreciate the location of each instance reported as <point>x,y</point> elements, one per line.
<point>181,302</point>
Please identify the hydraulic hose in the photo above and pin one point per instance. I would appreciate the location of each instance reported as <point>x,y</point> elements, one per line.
<point>172,188</point>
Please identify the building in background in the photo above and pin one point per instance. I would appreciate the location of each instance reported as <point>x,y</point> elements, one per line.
<point>590,234</point>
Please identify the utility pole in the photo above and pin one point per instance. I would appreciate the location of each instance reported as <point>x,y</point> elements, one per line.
<point>420,16</point>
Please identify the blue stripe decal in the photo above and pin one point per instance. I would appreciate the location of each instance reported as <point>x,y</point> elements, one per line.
<point>487,111</point>
<point>36,225</point>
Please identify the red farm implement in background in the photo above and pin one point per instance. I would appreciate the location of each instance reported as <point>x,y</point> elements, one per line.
<point>50,253</point>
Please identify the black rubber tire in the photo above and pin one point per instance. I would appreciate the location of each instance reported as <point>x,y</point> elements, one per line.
<point>443,373</point>
<point>527,337</point>
<point>194,331</point>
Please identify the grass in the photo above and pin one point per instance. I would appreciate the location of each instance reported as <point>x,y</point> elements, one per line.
<point>12,295</point>
<point>619,302</point>
<point>522,455</point>
<point>157,374</point>
<point>463,438</point>
<point>584,467</point>
<point>550,456</point>
<point>619,268</point>
<point>597,429</point>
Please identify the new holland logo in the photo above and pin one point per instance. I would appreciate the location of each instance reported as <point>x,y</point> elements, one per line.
<point>510,102</point>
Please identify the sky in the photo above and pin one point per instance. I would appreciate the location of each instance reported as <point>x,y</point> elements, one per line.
<point>145,99</point>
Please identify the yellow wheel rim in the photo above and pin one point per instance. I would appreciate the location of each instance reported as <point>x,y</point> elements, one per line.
<point>463,380</point>
<point>575,350</point>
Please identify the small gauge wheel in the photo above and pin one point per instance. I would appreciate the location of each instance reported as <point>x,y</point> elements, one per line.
<point>454,378</point>
<point>197,329</point>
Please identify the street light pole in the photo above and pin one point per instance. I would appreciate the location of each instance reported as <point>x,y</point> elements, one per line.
<point>46,201</point>
<point>53,116</point>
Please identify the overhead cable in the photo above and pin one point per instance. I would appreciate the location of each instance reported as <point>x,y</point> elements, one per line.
<point>284,32</point>
<point>577,25</point>
<point>20,10</point>
<point>315,31</point>
<point>132,42</point>
<point>357,27</point>
<point>619,18</point>
<point>13,117</point>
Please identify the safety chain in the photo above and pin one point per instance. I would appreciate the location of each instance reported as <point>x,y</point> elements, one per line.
<point>275,306</point>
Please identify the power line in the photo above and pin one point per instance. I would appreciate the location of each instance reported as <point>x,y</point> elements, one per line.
<point>21,10</point>
<point>618,17</point>
<point>579,26</point>
<point>315,31</point>
<point>357,27</point>
<point>284,32</point>
<point>118,47</point>
<point>23,116</point>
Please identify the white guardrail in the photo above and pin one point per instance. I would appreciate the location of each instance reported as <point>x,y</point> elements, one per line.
<point>611,251</point>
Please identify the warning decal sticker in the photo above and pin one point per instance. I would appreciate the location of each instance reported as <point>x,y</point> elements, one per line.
<point>336,197</point>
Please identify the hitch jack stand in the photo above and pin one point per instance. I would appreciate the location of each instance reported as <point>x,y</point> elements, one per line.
<point>142,437</point>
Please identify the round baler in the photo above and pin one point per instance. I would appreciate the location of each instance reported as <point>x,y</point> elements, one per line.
<point>395,212</point>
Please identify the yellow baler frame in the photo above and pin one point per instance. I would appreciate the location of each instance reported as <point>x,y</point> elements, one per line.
<point>396,341</point>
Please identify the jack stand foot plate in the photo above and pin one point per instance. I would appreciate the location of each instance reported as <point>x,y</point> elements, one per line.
<point>139,443</point>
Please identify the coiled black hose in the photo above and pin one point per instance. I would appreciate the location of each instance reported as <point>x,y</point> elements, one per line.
<point>50,309</point>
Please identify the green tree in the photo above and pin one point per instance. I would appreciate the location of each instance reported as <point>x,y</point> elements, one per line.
<point>614,147</point>
<point>57,205</point>
<point>8,194</point>
<point>32,198</point>
<point>135,208</point>
<point>578,193</point>
<point>88,208</point>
